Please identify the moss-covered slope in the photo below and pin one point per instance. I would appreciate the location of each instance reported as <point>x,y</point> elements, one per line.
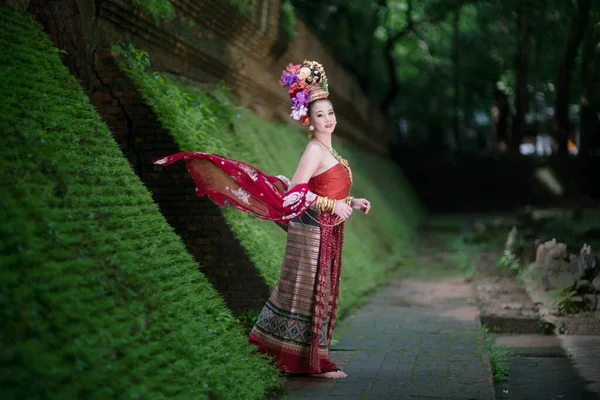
<point>98,296</point>
<point>203,121</point>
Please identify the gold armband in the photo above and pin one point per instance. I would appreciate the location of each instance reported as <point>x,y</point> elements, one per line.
<point>324,204</point>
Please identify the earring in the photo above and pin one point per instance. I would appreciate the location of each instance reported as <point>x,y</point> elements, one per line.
<point>312,128</point>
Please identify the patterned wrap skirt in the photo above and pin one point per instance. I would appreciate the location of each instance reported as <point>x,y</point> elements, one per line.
<point>283,329</point>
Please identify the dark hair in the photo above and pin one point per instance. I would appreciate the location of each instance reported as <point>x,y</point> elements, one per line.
<point>313,102</point>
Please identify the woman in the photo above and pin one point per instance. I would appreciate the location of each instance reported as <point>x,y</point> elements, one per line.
<point>296,324</point>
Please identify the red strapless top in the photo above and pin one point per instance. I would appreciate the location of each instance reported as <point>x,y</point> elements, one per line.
<point>334,183</point>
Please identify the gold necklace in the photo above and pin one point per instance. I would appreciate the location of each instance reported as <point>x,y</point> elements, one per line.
<point>335,155</point>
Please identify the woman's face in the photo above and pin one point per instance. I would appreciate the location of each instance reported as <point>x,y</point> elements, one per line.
<point>322,116</point>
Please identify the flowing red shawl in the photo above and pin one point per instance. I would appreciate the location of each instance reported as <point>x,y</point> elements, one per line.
<point>240,185</point>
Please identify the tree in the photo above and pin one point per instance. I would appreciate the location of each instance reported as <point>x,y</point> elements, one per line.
<point>588,99</point>
<point>451,61</point>
<point>521,72</point>
<point>394,35</point>
<point>563,84</point>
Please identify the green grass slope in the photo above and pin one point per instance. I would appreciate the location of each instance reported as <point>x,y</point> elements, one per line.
<point>99,298</point>
<point>209,121</point>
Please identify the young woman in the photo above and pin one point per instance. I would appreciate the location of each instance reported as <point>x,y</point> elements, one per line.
<point>297,322</point>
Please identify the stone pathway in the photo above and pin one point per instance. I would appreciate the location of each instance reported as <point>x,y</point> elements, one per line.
<point>413,339</point>
<point>550,367</point>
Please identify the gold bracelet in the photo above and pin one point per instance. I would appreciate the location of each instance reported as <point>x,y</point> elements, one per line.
<point>322,203</point>
<point>325,204</point>
<point>349,200</point>
<point>317,206</point>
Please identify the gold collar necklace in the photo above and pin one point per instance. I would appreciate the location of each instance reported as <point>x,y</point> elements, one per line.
<point>335,155</point>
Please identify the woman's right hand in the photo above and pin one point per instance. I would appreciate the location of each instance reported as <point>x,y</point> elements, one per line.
<point>342,210</point>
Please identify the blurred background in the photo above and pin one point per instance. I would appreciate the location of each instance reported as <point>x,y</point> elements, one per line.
<point>472,126</point>
<point>494,103</point>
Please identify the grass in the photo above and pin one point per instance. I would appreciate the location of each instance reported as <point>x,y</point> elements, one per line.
<point>210,121</point>
<point>160,10</point>
<point>98,296</point>
<point>497,354</point>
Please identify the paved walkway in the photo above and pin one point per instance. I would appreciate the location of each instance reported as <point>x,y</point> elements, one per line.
<point>413,339</point>
<point>551,367</point>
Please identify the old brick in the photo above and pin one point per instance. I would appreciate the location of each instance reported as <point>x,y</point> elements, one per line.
<point>142,137</point>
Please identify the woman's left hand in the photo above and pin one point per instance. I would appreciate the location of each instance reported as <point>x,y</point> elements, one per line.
<point>361,204</point>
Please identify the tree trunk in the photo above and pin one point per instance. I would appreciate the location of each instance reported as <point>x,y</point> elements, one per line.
<point>392,90</point>
<point>390,57</point>
<point>588,106</point>
<point>500,114</point>
<point>456,45</point>
<point>563,85</point>
<point>522,69</point>
<point>588,119</point>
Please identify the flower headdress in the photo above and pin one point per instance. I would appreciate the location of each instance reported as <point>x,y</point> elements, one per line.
<point>305,82</point>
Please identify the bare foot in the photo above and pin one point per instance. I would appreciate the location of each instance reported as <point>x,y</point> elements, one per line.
<point>331,375</point>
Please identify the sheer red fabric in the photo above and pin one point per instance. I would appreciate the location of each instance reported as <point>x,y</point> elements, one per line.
<point>240,185</point>
<point>230,182</point>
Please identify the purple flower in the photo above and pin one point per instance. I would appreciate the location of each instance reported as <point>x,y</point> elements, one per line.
<point>301,99</point>
<point>288,78</point>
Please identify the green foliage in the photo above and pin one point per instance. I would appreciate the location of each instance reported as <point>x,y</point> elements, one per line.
<point>571,301</point>
<point>561,328</point>
<point>248,320</point>
<point>424,57</point>
<point>497,354</point>
<point>160,10</point>
<point>545,326</point>
<point>287,26</point>
<point>510,260</point>
<point>246,7</point>
<point>98,296</point>
<point>209,121</point>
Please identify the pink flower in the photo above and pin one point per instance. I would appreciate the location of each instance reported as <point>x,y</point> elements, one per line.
<point>294,69</point>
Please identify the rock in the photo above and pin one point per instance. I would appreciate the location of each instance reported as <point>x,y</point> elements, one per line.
<point>512,306</point>
<point>542,251</point>
<point>596,283</point>
<point>586,263</point>
<point>511,240</point>
<point>592,301</point>
<point>557,272</point>
<point>584,286</point>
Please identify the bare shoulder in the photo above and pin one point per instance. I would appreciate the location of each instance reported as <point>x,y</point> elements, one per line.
<point>312,154</point>
<point>313,149</point>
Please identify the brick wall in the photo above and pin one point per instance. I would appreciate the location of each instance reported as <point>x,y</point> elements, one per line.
<point>209,40</point>
<point>206,41</point>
